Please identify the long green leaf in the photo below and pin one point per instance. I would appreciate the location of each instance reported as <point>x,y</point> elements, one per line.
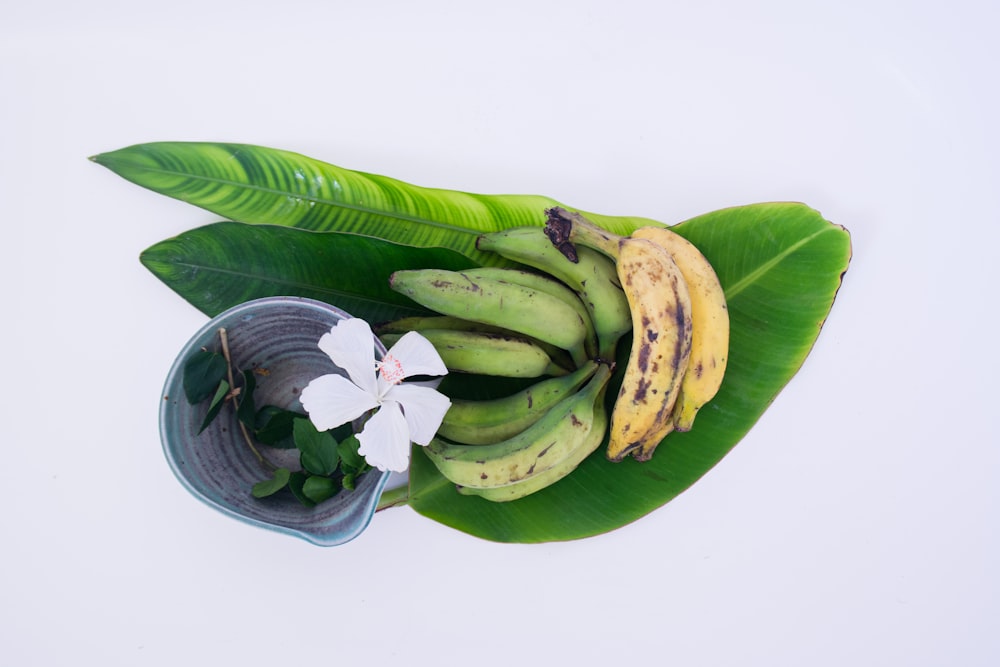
<point>781,266</point>
<point>224,264</point>
<point>264,185</point>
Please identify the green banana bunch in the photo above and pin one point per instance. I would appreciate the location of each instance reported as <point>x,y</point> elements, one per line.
<point>560,432</point>
<point>484,422</point>
<point>565,321</point>
<point>487,353</point>
<point>592,276</point>
<point>541,480</point>
<point>479,298</point>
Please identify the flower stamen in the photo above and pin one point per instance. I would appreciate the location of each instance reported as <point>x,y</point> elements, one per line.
<point>390,369</point>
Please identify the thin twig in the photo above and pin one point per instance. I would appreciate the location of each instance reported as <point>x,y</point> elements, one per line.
<point>224,338</point>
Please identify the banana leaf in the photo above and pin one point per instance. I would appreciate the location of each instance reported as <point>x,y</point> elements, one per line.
<point>781,265</point>
<point>221,265</point>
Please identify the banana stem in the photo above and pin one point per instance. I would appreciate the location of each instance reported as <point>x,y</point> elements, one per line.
<point>394,498</point>
<point>555,370</point>
<point>579,355</point>
<point>564,228</point>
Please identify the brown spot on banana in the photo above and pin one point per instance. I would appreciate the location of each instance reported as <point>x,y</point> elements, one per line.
<point>642,358</point>
<point>639,396</point>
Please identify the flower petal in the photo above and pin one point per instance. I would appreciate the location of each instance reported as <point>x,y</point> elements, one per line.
<point>424,409</point>
<point>385,439</point>
<point>417,356</point>
<point>351,345</point>
<point>433,383</point>
<point>332,400</point>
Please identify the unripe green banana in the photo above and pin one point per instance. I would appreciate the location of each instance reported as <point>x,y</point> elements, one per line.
<point>539,447</point>
<point>487,353</point>
<point>420,323</point>
<point>592,276</point>
<point>486,422</point>
<point>499,303</point>
<point>423,322</point>
<point>544,283</point>
<point>546,478</point>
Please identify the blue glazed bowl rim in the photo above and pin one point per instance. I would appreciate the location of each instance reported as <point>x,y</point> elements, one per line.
<point>368,500</point>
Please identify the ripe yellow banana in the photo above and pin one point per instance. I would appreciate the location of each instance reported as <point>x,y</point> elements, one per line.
<point>660,306</point>
<point>487,353</point>
<point>488,421</point>
<point>539,447</point>
<point>710,324</point>
<point>479,298</point>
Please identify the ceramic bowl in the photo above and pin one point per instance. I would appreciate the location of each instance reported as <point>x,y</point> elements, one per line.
<point>278,336</point>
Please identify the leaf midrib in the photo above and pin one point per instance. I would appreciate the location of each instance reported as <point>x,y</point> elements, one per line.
<point>275,281</point>
<point>761,270</point>
<point>396,215</point>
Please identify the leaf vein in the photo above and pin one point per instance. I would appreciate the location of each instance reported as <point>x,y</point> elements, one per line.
<point>284,282</point>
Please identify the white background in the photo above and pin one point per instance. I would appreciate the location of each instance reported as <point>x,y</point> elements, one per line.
<point>855,525</point>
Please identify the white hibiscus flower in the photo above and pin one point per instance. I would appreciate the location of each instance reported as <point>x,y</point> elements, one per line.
<point>405,413</point>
